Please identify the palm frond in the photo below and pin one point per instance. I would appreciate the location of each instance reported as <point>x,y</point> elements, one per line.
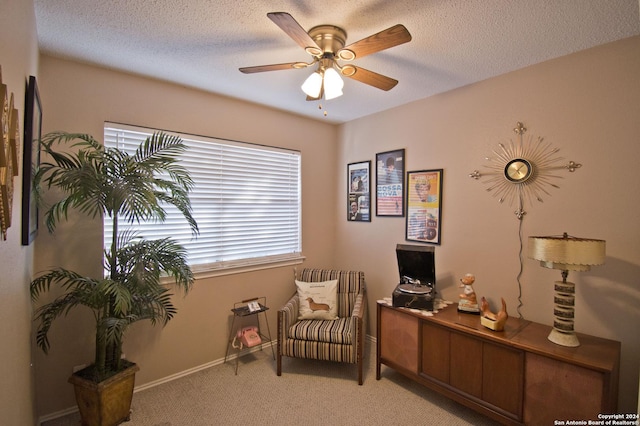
<point>98,181</point>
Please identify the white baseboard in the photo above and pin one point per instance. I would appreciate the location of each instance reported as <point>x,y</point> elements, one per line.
<point>203,367</point>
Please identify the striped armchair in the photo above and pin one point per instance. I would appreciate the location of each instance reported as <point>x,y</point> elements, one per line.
<point>340,340</point>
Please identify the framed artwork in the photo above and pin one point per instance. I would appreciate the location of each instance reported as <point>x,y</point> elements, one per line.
<point>359,192</point>
<point>390,183</point>
<point>6,163</point>
<point>424,206</point>
<point>30,160</point>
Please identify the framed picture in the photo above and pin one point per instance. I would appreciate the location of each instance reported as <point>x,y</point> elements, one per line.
<point>30,160</point>
<point>6,164</point>
<point>359,192</point>
<point>390,183</point>
<point>424,206</point>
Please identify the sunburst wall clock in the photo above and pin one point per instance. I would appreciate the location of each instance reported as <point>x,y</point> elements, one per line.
<point>522,170</point>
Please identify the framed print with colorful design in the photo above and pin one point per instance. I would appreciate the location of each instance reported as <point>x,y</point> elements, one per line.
<point>390,183</point>
<point>6,164</point>
<point>30,160</point>
<point>424,206</point>
<point>359,192</point>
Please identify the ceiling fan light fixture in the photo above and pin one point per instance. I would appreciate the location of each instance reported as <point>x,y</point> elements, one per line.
<point>326,44</point>
<point>312,85</point>
<point>333,84</point>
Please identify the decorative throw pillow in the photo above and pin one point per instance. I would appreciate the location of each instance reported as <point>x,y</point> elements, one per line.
<point>318,300</point>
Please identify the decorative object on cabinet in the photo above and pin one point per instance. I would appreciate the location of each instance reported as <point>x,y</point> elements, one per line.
<point>567,254</point>
<point>521,170</point>
<point>468,300</point>
<point>490,320</point>
<point>30,161</point>
<point>340,340</point>
<point>417,273</point>
<point>359,192</point>
<point>424,206</point>
<point>390,183</point>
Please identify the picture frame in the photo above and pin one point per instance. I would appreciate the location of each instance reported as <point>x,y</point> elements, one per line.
<point>6,169</point>
<point>30,160</point>
<point>390,183</point>
<point>424,206</point>
<point>359,192</point>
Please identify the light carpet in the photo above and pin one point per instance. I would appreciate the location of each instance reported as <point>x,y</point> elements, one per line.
<point>309,393</point>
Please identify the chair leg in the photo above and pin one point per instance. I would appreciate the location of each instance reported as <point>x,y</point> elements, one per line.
<point>279,346</point>
<point>360,351</point>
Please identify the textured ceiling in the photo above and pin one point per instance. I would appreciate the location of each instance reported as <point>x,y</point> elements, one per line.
<point>202,43</point>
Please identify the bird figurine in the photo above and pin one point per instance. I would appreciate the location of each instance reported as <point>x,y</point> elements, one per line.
<point>489,319</point>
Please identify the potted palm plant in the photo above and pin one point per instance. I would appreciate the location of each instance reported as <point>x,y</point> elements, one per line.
<point>108,182</point>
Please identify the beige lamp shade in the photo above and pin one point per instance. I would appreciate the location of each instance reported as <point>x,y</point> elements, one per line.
<point>566,252</point>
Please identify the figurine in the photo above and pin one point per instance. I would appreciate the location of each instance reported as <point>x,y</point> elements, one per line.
<point>493,321</point>
<point>468,301</point>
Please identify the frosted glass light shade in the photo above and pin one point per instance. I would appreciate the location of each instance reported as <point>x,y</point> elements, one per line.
<point>333,84</point>
<point>312,85</point>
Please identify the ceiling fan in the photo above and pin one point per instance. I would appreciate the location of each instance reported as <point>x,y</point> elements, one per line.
<point>326,43</point>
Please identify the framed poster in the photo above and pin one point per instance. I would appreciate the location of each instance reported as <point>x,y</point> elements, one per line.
<point>390,183</point>
<point>6,163</point>
<point>30,160</point>
<point>424,206</point>
<point>359,192</point>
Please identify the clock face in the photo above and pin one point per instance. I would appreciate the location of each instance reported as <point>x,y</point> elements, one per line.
<point>518,170</point>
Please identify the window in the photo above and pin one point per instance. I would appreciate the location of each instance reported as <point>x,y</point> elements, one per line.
<point>246,201</point>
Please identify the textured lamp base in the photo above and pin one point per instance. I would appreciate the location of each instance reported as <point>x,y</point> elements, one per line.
<point>563,315</point>
<point>564,339</point>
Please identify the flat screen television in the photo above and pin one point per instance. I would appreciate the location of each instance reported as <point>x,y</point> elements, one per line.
<point>416,263</point>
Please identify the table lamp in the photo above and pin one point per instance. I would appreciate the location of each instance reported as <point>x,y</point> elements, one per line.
<point>567,254</point>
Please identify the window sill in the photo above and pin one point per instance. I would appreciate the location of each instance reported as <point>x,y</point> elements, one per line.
<point>230,268</point>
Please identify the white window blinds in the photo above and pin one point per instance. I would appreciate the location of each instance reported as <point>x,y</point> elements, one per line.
<point>246,201</point>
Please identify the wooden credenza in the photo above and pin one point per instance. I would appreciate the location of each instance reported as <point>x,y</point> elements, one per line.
<point>515,376</point>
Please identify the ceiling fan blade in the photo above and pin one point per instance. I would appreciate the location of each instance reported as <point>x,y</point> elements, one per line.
<point>293,29</point>
<point>371,78</point>
<point>385,39</point>
<point>273,67</point>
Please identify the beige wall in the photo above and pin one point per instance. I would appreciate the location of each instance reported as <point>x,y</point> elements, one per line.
<point>19,59</point>
<point>80,98</point>
<point>586,104</point>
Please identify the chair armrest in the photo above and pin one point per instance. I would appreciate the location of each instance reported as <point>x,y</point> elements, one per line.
<point>288,315</point>
<point>359,306</point>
